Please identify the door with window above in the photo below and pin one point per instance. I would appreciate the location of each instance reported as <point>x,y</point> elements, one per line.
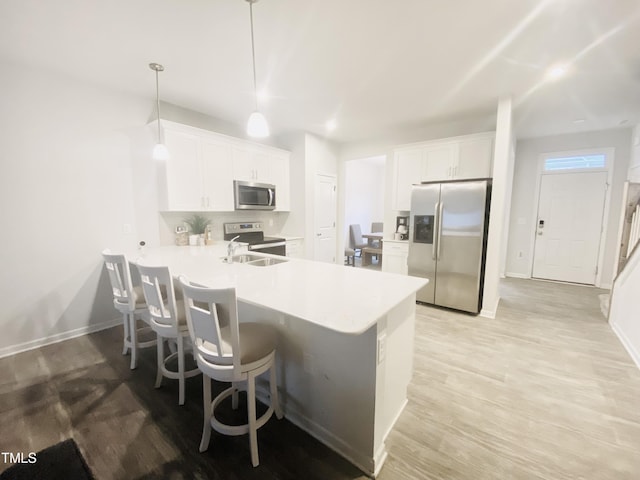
<point>569,224</point>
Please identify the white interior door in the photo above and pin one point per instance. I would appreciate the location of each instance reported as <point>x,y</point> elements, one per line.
<point>569,226</point>
<point>325,219</point>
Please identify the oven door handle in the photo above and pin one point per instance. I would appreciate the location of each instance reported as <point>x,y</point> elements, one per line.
<point>270,197</point>
<point>259,246</point>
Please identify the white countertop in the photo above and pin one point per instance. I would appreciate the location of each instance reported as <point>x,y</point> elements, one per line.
<point>341,298</point>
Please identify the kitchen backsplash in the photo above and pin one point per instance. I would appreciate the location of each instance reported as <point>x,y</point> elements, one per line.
<point>273,222</point>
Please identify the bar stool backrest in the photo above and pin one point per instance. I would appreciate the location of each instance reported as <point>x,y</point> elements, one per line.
<point>159,294</point>
<point>212,318</point>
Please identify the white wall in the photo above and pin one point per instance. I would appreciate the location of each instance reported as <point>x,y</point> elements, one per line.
<point>625,302</point>
<point>524,210</point>
<point>364,194</point>
<point>294,224</point>
<point>66,192</point>
<point>76,175</point>
<point>624,314</point>
<point>320,158</point>
<point>634,164</point>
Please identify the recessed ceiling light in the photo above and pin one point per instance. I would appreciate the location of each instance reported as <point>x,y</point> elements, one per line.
<point>556,71</point>
<point>579,120</point>
<point>331,125</point>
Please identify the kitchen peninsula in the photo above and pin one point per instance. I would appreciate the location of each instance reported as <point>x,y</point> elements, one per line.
<point>345,340</point>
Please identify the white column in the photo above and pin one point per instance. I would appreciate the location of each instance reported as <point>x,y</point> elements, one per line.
<point>496,242</point>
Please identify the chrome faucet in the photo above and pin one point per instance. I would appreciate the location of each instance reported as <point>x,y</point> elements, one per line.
<point>231,248</point>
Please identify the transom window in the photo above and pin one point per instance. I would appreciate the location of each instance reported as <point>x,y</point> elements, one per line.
<point>578,162</point>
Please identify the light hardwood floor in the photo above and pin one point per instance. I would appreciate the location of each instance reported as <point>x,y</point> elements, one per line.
<point>544,391</point>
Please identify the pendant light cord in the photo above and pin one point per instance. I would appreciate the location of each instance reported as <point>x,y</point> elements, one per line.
<point>158,105</point>
<point>253,55</point>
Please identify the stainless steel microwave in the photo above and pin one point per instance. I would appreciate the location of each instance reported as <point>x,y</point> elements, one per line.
<point>254,196</point>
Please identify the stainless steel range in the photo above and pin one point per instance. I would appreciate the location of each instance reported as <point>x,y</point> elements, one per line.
<point>252,233</point>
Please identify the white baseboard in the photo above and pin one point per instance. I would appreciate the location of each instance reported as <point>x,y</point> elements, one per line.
<point>516,275</point>
<point>489,312</point>
<point>58,337</point>
<point>360,460</point>
<point>626,343</point>
<point>381,454</point>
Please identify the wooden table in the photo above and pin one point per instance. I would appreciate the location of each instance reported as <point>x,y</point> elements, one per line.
<point>372,249</point>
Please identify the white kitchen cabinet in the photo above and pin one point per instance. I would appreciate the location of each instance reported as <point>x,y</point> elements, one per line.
<point>202,166</point>
<point>394,256</point>
<point>183,172</point>
<point>408,172</point>
<point>475,155</point>
<point>217,175</point>
<point>455,158</point>
<point>439,162</point>
<point>251,165</point>
<point>295,248</point>
<point>198,174</point>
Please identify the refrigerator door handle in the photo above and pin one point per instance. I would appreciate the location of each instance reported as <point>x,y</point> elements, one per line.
<point>435,247</point>
<point>440,208</point>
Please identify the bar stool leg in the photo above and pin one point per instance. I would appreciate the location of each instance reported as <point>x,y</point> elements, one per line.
<point>207,409</point>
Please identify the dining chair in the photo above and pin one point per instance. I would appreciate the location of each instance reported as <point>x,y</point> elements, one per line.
<point>129,300</point>
<point>167,319</point>
<point>377,227</point>
<point>350,256</point>
<point>355,238</point>
<point>229,351</point>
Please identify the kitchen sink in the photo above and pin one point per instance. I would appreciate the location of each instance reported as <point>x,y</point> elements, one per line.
<point>255,260</point>
<point>266,261</point>
<point>243,258</point>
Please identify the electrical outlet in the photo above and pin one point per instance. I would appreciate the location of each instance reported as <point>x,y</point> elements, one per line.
<point>308,363</point>
<point>382,348</point>
<point>520,255</point>
<point>271,222</point>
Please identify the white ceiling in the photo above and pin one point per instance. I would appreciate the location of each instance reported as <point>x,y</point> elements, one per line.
<point>375,65</point>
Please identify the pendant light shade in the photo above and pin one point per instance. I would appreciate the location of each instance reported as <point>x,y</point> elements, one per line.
<point>160,151</point>
<point>257,125</point>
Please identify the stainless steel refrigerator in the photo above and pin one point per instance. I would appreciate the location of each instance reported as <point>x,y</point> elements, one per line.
<point>448,240</point>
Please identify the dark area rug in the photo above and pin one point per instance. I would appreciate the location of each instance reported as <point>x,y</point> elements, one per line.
<point>62,461</point>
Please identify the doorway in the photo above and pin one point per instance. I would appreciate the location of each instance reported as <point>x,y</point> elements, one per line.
<point>364,195</point>
<point>570,221</point>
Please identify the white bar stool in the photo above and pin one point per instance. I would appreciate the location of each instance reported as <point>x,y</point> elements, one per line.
<point>167,319</point>
<point>229,351</point>
<point>129,300</point>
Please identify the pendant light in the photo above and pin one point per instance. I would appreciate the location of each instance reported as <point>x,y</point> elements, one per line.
<point>160,151</point>
<point>257,125</point>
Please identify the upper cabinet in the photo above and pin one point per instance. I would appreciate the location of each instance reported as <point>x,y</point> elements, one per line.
<point>455,158</point>
<point>203,165</point>
<point>475,156</point>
